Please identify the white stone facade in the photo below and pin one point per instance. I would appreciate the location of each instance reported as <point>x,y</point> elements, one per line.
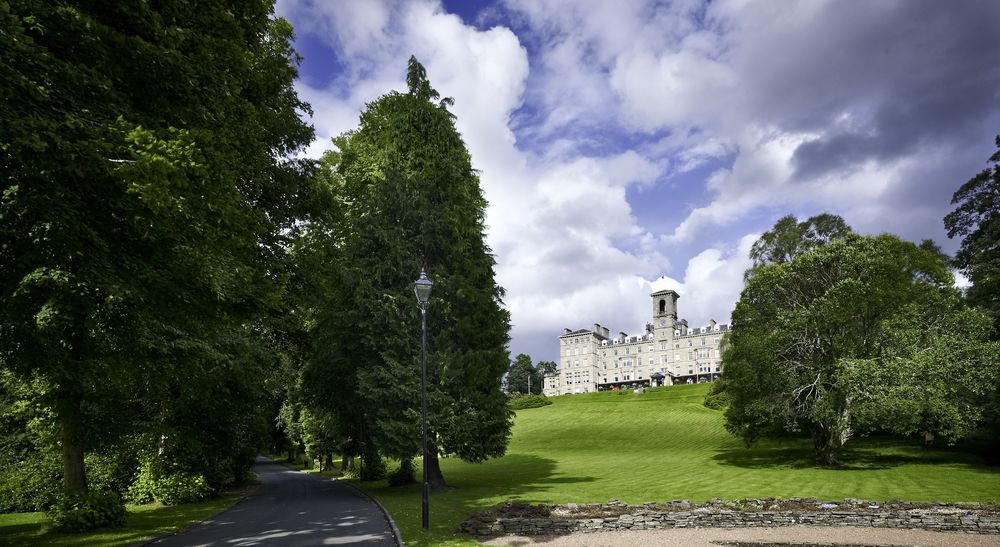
<point>667,353</point>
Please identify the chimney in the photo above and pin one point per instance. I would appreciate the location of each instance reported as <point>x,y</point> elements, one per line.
<point>597,329</point>
<point>622,336</point>
<point>605,332</point>
<point>567,331</point>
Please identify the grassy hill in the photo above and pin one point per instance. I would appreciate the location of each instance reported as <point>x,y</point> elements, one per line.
<point>665,445</point>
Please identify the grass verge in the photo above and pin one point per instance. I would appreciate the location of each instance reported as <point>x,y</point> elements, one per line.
<point>665,445</point>
<point>144,522</point>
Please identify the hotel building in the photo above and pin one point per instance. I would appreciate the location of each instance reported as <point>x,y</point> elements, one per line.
<point>667,353</point>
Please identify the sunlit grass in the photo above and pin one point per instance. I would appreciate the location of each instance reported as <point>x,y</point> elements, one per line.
<point>666,445</point>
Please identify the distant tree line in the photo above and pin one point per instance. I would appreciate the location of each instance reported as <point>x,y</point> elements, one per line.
<point>525,377</point>
<point>837,335</point>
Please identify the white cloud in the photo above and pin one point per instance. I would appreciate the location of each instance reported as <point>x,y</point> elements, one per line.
<point>866,110</point>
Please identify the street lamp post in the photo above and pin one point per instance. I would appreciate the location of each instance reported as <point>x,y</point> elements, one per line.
<point>422,288</point>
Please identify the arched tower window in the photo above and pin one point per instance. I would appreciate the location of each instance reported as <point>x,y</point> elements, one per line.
<point>663,305</point>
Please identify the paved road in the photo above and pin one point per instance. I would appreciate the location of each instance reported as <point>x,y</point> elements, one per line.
<point>292,508</point>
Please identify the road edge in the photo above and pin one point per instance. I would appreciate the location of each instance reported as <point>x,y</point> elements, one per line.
<point>392,524</point>
<point>164,535</point>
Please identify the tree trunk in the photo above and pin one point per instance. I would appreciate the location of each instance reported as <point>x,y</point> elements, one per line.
<point>327,462</point>
<point>346,463</point>
<point>71,422</point>
<point>434,477</point>
<point>828,439</point>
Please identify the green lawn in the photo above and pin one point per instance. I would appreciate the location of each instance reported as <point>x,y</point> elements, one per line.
<point>144,521</point>
<point>665,445</point>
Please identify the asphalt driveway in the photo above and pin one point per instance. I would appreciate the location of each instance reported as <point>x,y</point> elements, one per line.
<point>294,509</point>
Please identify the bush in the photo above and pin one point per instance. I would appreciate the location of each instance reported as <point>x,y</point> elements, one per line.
<point>113,470</point>
<point>79,513</point>
<point>717,398</point>
<point>169,489</point>
<point>521,401</point>
<point>403,475</point>
<point>30,485</point>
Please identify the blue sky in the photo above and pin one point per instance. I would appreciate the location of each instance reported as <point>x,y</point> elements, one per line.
<point>632,143</point>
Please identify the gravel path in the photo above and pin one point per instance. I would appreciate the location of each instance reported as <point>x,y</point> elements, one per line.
<point>786,536</point>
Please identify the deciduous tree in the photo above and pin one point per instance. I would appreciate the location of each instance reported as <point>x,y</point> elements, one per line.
<point>145,205</point>
<point>804,327</point>
<point>790,238</point>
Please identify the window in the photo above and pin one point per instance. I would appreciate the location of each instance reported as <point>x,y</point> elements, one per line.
<point>677,357</point>
<point>689,356</point>
<point>628,351</point>
<point>584,362</point>
<point>663,346</point>
<point>716,354</point>
<point>576,363</point>
<point>716,340</point>
<point>690,343</point>
<point>651,360</point>
<point>677,345</point>
<point>650,348</point>
<point>663,359</point>
<point>704,341</point>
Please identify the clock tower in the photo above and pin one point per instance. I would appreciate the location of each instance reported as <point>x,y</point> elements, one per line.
<point>664,308</point>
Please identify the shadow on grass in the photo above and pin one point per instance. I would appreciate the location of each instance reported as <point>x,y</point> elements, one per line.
<point>522,477</point>
<point>862,455</point>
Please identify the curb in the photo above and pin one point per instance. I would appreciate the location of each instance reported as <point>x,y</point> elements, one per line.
<point>392,524</point>
<point>395,530</point>
<point>154,539</point>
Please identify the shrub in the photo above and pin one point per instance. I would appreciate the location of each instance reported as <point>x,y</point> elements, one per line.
<point>113,470</point>
<point>717,398</point>
<point>169,489</point>
<point>182,488</point>
<point>30,485</point>
<point>520,401</point>
<point>79,513</point>
<point>403,475</point>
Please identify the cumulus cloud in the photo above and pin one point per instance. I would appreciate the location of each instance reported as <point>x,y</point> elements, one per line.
<point>575,110</point>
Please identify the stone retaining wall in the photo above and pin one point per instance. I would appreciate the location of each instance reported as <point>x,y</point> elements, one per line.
<point>942,518</point>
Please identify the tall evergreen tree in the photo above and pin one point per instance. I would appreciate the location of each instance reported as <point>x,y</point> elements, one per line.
<point>412,200</point>
<point>144,209</point>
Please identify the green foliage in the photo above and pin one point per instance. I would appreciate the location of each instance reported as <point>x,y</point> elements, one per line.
<point>976,219</point>
<point>403,475</point>
<point>406,197</point>
<point>803,329</point>
<point>790,238</point>
<point>83,512</point>
<point>146,209</point>
<point>168,488</point>
<point>717,398</point>
<point>30,485</point>
<point>521,401</point>
<point>522,374</point>
<point>943,370</point>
